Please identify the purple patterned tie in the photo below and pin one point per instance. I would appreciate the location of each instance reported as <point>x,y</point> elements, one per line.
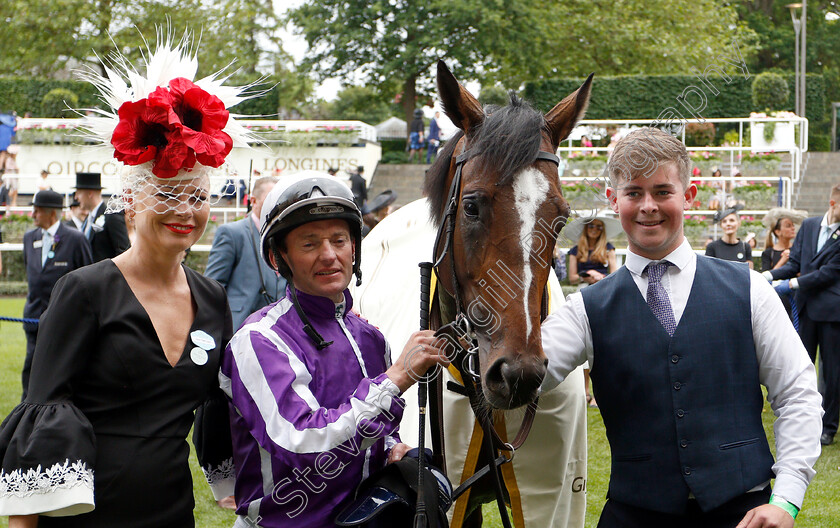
<point>657,297</point>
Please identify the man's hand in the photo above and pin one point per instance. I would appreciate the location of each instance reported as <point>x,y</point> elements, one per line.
<point>766,516</point>
<point>397,452</point>
<point>419,355</point>
<point>782,287</point>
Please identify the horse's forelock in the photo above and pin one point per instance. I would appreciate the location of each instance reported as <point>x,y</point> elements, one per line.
<point>509,139</point>
<point>506,142</point>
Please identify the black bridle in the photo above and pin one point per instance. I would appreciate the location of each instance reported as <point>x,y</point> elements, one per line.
<point>461,334</point>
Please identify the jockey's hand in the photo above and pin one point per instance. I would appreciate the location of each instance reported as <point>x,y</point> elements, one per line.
<point>397,452</point>
<point>766,516</point>
<point>419,355</point>
<point>228,503</point>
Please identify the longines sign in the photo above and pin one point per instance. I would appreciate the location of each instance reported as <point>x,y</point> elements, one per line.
<point>62,162</point>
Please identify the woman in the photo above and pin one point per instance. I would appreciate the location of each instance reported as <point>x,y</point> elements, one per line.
<point>729,246</point>
<point>100,439</point>
<point>720,190</point>
<point>781,230</point>
<point>592,259</point>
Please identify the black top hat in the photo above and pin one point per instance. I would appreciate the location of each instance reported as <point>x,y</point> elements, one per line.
<point>383,199</point>
<point>75,203</point>
<point>88,180</point>
<point>50,199</point>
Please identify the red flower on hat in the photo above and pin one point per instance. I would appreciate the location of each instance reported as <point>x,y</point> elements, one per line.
<point>176,127</point>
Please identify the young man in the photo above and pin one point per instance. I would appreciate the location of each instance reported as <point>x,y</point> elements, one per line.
<point>235,260</point>
<point>815,258</point>
<point>679,345</point>
<point>315,400</point>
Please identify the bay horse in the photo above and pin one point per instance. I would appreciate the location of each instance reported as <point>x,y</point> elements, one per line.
<point>495,191</point>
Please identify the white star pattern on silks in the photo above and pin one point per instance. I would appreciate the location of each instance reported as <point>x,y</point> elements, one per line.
<point>657,297</point>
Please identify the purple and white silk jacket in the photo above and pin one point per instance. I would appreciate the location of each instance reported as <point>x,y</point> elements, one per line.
<point>307,425</point>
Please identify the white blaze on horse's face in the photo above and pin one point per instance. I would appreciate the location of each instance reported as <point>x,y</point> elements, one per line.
<point>530,189</point>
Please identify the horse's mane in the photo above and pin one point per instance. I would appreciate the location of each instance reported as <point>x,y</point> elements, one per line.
<point>504,143</point>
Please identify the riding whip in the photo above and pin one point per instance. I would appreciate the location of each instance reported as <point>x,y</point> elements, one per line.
<point>420,517</point>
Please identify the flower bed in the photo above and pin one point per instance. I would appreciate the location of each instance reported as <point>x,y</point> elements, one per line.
<point>761,195</point>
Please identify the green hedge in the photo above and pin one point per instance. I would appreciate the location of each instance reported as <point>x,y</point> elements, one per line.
<point>26,95</point>
<point>646,96</point>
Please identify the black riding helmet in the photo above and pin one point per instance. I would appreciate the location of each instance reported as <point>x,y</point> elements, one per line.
<point>319,197</point>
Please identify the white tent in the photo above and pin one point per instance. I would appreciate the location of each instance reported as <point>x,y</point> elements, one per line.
<point>391,128</point>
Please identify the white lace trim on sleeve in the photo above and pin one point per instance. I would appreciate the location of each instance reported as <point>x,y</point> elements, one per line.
<point>221,478</point>
<point>64,488</point>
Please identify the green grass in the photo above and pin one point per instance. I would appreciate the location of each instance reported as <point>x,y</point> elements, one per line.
<point>821,509</point>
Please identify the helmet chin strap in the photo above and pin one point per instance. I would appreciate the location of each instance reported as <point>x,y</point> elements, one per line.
<point>320,344</point>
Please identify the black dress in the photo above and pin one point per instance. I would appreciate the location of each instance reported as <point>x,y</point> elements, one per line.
<point>740,251</point>
<point>769,258</point>
<point>107,411</point>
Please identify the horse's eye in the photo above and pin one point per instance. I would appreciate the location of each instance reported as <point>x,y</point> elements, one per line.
<point>470,208</point>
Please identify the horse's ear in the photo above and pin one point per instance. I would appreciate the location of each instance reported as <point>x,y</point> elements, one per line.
<point>563,117</point>
<point>460,106</point>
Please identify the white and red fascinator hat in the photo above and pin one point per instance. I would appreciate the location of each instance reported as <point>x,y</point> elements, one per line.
<point>163,125</point>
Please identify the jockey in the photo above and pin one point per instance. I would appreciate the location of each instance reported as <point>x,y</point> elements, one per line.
<point>314,399</point>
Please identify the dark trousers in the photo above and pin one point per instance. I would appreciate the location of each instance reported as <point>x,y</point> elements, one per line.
<point>27,362</point>
<point>618,515</point>
<point>826,337</point>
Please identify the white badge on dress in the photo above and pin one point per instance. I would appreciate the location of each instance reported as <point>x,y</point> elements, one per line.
<point>740,255</point>
<point>37,244</point>
<point>198,356</point>
<point>203,339</point>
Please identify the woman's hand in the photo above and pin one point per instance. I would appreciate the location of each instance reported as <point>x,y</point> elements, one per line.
<point>594,276</point>
<point>419,355</point>
<point>398,452</point>
<point>23,521</point>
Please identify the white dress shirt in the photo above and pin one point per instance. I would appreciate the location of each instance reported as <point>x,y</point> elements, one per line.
<point>784,366</point>
<point>825,231</point>
<point>47,239</point>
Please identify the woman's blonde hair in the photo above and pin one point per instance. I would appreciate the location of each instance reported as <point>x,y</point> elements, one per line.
<point>599,252</point>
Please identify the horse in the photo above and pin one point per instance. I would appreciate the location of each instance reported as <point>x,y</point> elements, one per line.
<point>507,213</point>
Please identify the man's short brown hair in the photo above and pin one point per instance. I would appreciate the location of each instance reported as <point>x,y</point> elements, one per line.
<point>259,189</point>
<point>642,151</point>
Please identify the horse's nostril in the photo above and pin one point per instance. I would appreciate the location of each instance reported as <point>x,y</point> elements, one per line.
<point>508,373</point>
<point>496,375</point>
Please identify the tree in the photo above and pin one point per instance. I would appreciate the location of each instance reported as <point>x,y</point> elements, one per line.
<point>42,38</point>
<point>770,20</point>
<point>399,41</point>
<point>652,37</point>
<point>509,41</point>
<point>364,103</point>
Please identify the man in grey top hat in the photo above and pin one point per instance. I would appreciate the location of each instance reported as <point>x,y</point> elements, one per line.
<point>106,233</point>
<point>50,251</point>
